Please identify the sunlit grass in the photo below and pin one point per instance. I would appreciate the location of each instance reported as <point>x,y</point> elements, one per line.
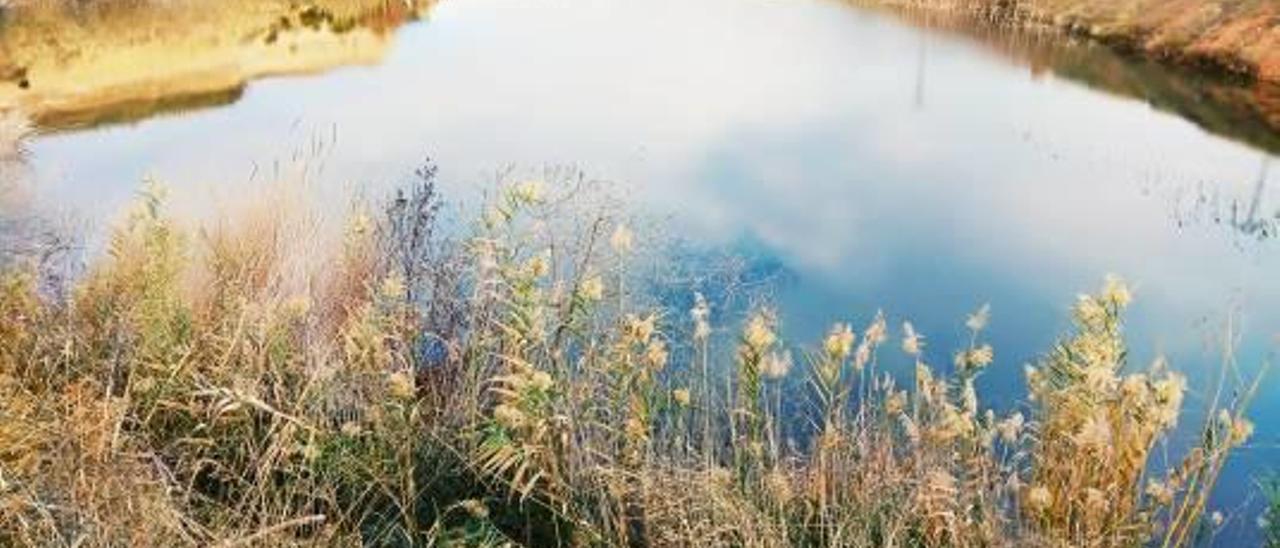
<point>239,383</point>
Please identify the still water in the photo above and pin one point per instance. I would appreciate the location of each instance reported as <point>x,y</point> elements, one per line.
<point>876,163</point>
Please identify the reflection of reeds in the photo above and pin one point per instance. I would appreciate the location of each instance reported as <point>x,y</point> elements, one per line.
<point>242,384</point>
<point>1227,106</point>
<point>14,130</point>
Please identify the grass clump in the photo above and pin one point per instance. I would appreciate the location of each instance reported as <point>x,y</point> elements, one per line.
<point>244,384</point>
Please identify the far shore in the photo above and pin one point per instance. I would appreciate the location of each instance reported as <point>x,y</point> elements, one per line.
<point>1237,38</point>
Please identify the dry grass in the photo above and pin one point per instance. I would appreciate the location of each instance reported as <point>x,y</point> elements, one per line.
<point>240,385</point>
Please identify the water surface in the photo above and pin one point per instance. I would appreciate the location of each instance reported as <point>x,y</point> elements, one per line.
<point>878,164</point>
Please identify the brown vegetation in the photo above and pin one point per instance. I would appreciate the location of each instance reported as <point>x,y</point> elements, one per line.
<point>248,384</point>
<point>1239,37</point>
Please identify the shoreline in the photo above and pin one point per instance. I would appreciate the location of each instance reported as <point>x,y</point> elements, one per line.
<point>1233,108</point>
<point>134,61</point>
<point>1236,39</point>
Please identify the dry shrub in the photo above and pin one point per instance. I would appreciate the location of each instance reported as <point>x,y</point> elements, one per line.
<point>70,476</point>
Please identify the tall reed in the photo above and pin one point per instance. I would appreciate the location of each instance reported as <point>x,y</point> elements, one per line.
<point>504,384</point>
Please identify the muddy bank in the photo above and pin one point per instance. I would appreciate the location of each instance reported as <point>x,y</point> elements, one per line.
<point>68,65</point>
<point>1240,38</point>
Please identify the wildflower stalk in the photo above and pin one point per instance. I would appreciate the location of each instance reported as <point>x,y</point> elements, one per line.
<point>1235,430</point>
<point>700,314</point>
<point>758,339</point>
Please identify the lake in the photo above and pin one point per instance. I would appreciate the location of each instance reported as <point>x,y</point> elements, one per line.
<point>879,162</point>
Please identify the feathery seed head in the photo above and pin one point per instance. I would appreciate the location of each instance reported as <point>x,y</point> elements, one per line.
<point>839,342</point>
<point>1038,499</point>
<point>1116,291</point>
<point>538,265</point>
<point>877,332</point>
<point>592,289</point>
<point>508,416</point>
<point>392,288</point>
<point>1090,312</point>
<point>978,320</point>
<point>758,335</point>
<point>776,365</point>
<point>1160,491</point>
<point>701,314</point>
<point>641,329</point>
<point>400,385</point>
<point>896,403</point>
<point>622,240</point>
<point>541,381</point>
<point>1011,428</point>
<point>912,342</point>
<point>973,360</point>
<point>475,508</point>
<point>1095,432</point>
<point>1241,431</point>
<point>528,192</point>
<point>656,354</point>
<point>682,397</point>
<point>635,430</point>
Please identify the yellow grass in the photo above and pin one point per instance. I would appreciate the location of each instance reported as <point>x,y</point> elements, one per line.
<point>232,384</point>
